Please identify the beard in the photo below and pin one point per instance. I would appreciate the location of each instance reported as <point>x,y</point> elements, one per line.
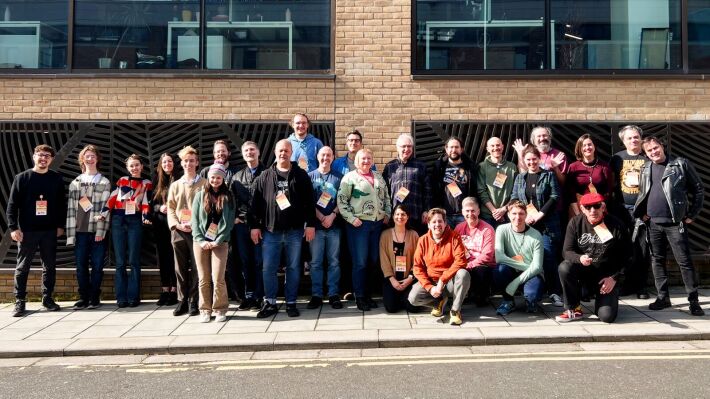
<point>543,146</point>
<point>454,157</point>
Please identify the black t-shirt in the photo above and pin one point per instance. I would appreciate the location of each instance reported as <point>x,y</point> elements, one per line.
<point>627,169</point>
<point>282,215</point>
<point>398,251</point>
<point>657,207</point>
<point>454,173</point>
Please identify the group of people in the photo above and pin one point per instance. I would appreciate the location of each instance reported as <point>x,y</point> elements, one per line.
<point>464,230</point>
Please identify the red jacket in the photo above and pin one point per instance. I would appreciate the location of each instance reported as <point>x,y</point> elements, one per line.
<point>434,262</point>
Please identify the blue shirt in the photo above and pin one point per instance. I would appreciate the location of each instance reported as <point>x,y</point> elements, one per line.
<point>305,152</point>
<point>325,183</point>
<point>342,166</point>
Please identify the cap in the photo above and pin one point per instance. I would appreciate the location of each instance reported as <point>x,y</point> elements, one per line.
<point>591,198</point>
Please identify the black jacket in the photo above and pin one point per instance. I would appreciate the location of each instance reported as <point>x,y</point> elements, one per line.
<point>243,188</point>
<point>610,258</point>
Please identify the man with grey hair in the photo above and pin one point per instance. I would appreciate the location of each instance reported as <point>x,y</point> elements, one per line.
<point>550,158</point>
<point>408,183</point>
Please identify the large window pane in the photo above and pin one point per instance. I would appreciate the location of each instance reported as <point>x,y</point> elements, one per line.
<point>699,34</point>
<point>128,34</point>
<point>617,34</point>
<point>33,34</point>
<point>480,34</point>
<point>268,35</point>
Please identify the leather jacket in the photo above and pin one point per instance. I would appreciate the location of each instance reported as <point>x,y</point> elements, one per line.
<point>680,180</point>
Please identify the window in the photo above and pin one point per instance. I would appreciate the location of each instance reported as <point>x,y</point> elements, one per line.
<point>699,34</point>
<point>33,35</point>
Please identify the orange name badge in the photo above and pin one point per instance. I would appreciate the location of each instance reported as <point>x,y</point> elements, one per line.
<point>631,179</point>
<point>519,258</point>
<point>500,180</point>
<point>324,199</point>
<point>532,211</point>
<point>185,216</point>
<point>454,189</point>
<point>401,194</point>
<point>303,163</point>
<point>400,264</point>
<point>130,207</point>
<point>603,232</point>
<point>211,232</point>
<point>591,188</point>
<point>85,204</point>
<point>282,201</point>
<point>41,207</point>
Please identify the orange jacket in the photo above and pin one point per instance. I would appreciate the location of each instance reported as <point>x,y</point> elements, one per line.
<point>434,262</point>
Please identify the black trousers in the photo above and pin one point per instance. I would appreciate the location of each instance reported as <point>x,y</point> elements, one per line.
<point>394,300</point>
<point>481,283</point>
<point>676,235</point>
<point>573,276</point>
<point>166,256</point>
<point>46,242</point>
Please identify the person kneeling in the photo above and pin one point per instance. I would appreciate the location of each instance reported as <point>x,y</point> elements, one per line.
<point>440,268</point>
<point>595,250</point>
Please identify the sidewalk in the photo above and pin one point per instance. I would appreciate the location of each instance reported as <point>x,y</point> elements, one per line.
<point>148,329</point>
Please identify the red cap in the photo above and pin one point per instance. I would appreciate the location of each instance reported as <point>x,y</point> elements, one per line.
<point>591,198</point>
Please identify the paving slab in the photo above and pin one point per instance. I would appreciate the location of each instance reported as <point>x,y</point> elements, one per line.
<point>19,362</point>
<point>534,335</point>
<point>118,346</point>
<point>389,353</point>
<point>635,346</point>
<point>236,329</point>
<point>430,337</point>
<point>648,332</point>
<point>525,348</point>
<point>39,348</point>
<point>198,328</point>
<point>158,324</point>
<point>117,360</point>
<point>386,324</point>
<point>213,358</point>
<point>339,353</point>
<point>292,325</point>
<point>326,339</point>
<point>147,333</point>
<point>287,354</point>
<point>122,319</point>
<point>222,343</point>
<point>338,327</point>
<point>97,331</point>
<point>88,315</point>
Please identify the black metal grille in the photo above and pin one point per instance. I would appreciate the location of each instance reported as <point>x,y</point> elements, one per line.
<point>686,139</point>
<point>116,141</point>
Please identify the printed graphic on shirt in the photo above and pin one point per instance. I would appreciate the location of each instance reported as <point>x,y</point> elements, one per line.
<point>592,245</point>
<point>473,245</point>
<point>455,174</point>
<point>629,175</point>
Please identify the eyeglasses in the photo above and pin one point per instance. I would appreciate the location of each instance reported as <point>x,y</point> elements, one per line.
<point>595,206</point>
<point>43,155</point>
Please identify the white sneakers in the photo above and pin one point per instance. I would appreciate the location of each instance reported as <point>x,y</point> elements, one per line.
<point>205,316</point>
<point>221,318</point>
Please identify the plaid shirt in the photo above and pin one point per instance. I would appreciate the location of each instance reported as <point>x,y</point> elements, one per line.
<point>412,176</point>
<point>99,196</point>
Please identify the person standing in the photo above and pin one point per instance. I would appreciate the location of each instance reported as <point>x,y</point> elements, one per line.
<point>454,179</point>
<point>588,174</point>
<point>397,246</point>
<point>87,195</point>
<point>305,145</point>
<point>166,257</point>
<point>495,179</point>
<point>346,163</point>
<point>36,213</point>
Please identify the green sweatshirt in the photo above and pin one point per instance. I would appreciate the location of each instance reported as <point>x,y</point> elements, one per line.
<point>357,198</point>
<point>199,220</point>
<point>487,192</point>
<point>527,244</point>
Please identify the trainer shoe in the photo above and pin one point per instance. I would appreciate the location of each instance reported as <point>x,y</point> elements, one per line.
<point>505,308</point>
<point>570,315</point>
<point>315,302</point>
<point>455,318</point>
<point>660,303</point>
<point>334,301</point>
<point>194,308</point>
<point>49,304</point>
<point>556,300</point>
<point>220,318</point>
<point>695,308</point>
<point>362,304</point>
<point>205,316</point>
<point>19,310</point>
<point>292,310</point>
<point>80,304</point>
<point>267,310</point>
<point>438,310</point>
<point>95,303</point>
<point>371,303</point>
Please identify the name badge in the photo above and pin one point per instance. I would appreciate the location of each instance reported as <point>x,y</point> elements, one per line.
<point>211,232</point>
<point>591,188</point>
<point>400,264</point>
<point>41,207</point>
<point>532,211</point>
<point>631,179</point>
<point>500,180</point>
<point>185,216</point>
<point>454,189</point>
<point>401,194</point>
<point>603,232</point>
<point>519,258</point>
<point>282,201</point>
<point>85,204</point>
<point>303,163</point>
<point>130,207</point>
<point>324,199</point>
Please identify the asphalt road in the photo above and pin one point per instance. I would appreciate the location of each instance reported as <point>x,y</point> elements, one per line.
<point>618,374</point>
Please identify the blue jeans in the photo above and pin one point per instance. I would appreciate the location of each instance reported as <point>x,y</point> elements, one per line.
<point>127,233</point>
<point>503,275</point>
<point>364,243</point>
<point>273,243</point>
<point>454,220</point>
<point>251,259</point>
<point>326,242</point>
<point>87,249</point>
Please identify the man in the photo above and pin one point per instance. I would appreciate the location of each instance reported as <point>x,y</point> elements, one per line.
<point>596,247</point>
<point>305,145</point>
<point>346,163</point>
<point>327,240</point>
<point>282,203</point>
<point>478,237</point>
<point>495,182</point>
<point>408,183</point>
<point>519,254</point>
<point>221,155</point>
<point>454,179</point>
<point>250,254</point>
<point>550,158</point>
<point>440,269</point>
<point>180,196</point>
<point>626,165</point>
<point>670,198</point>
<point>36,212</point>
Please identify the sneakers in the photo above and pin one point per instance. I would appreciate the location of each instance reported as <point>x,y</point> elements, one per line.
<point>19,310</point>
<point>505,308</point>
<point>660,303</point>
<point>315,302</point>
<point>220,318</point>
<point>530,306</point>
<point>570,315</point>
<point>267,310</point>
<point>438,310</point>
<point>371,302</point>
<point>292,310</point>
<point>556,300</point>
<point>163,299</point>
<point>134,304</point>
<point>205,316</point>
<point>695,308</point>
<point>455,318</point>
<point>80,304</point>
<point>49,304</point>
<point>362,304</point>
<point>348,296</point>
<point>247,304</point>
<point>95,303</point>
<point>334,301</point>
<point>181,308</point>
<point>194,308</point>
<point>123,304</point>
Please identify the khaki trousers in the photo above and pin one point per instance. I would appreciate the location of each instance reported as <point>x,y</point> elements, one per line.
<point>211,265</point>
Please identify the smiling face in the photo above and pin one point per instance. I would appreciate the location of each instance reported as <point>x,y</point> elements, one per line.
<point>325,157</point>
<point>215,180</point>
<point>405,148</point>
<point>300,126</point>
<point>541,139</point>
<point>354,143</point>
<point>42,160</point>
<point>167,164</point>
<point>220,152</point>
<point>654,152</point>
<point>588,149</point>
<point>437,225</point>
<point>189,164</point>
<point>363,161</point>
<point>594,212</point>
<point>632,141</point>
<point>494,147</point>
<point>517,216</point>
<point>89,159</point>
<point>453,150</point>
<point>250,153</point>
<point>283,153</point>
<point>135,167</point>
<point>400,217</point>
<point>532,162</point>
<point>470,214</point>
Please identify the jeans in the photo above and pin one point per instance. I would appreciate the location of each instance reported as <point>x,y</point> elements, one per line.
<point>251,260</point>
<point>326,244</point>
<point>532,289</point>
<point>677,236</point>
<point>574,276</point>
<point>364,242</point>
<point>274,242</point>
<point>87,249</point>
<point>46,241</point>
<point>454,220</point>
<point>127,233</point>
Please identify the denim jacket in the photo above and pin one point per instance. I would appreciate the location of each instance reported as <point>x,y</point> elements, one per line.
<point>547,187</point>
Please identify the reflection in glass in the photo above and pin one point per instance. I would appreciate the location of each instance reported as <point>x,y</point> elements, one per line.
<point>699,34</point>
<point>33,35</point>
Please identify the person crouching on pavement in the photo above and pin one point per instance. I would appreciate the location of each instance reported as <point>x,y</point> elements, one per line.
<point>596,248</point>
<point>440,268</point>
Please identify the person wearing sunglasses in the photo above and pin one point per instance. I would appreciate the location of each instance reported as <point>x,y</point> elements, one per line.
<point>596,250</point>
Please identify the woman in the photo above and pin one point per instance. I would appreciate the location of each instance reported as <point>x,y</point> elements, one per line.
<point>364,203</point>
<point>129,209</point>
<point>397,247</point>
<point>588,174</point>
<point>212,223</point>
<point>539,191</point>
<point>166,256</point>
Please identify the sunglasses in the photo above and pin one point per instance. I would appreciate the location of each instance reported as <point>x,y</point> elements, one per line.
<point>594,206</point>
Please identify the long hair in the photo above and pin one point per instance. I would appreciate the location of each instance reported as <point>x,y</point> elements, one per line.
<point>224,198</point>
<point>164,180</point>
<point>86,149</point>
